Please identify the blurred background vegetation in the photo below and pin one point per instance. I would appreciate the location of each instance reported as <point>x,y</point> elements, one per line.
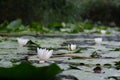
<point>105,12</point>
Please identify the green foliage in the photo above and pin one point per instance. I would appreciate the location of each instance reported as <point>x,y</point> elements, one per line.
<point>102,27</point>
<point>14,26</point>
<point>32,46</point>
<point>14,60</point>
<point>79,50</point>
<point>17,26</point>
<point>117,65</point>
<point>95,55</point>
<point>3,26</point>
<point>77,28</point>
<point>55,26</point>
<point>113,77</point>
<point>97,64</point>
<point>107,65</point>
<point>81,26</point>
<point>88,26</point>
<point>26,71</point>
<point>116,49</point>
<point>37,27</point>
<point>73,67</point>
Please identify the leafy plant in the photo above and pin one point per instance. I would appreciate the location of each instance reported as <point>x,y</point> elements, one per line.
<point>107,65</point>
<point>15,25</point>
<point>73,67</point>
<point>66,77</point>
<point>3,26</point>
<point>37,27</point>
<point>32,46</point>
<point>113,78</point>
<point>117,65</point>
<point>95,55</point>
<point>116,49</point>
<point>26,71</point>
<point>55,26</point>
<point>78,50</point>
<point>77,27</point>
<point>88,26</point>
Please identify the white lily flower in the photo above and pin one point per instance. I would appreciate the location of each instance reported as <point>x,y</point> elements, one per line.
<point>103,32</point>
<point>44,54</point>
<point>22,41</point>
<point>72,47</point>
<point>98,40</point>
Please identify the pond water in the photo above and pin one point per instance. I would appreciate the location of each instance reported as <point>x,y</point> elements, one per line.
<point>82,68</point>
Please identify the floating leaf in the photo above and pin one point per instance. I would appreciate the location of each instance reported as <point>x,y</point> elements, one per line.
<point>117,65</point>
<point>32,46</point>
<point>95,55</point>
<point>116,49</point>
<point>113,78</point>
<point>26,71</point>
<point>73,67</point>
<point>78,50</point>
<point>107,65</point>
<point>66,77</point>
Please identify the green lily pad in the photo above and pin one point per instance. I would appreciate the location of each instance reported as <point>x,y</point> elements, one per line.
<point>26,71</point>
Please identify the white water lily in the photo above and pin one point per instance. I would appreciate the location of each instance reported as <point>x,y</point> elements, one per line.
<point>44,54</point>
<point>72,47</point>
<point>103,32</point>
<point>22,41</point>
<point>98,40</point>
